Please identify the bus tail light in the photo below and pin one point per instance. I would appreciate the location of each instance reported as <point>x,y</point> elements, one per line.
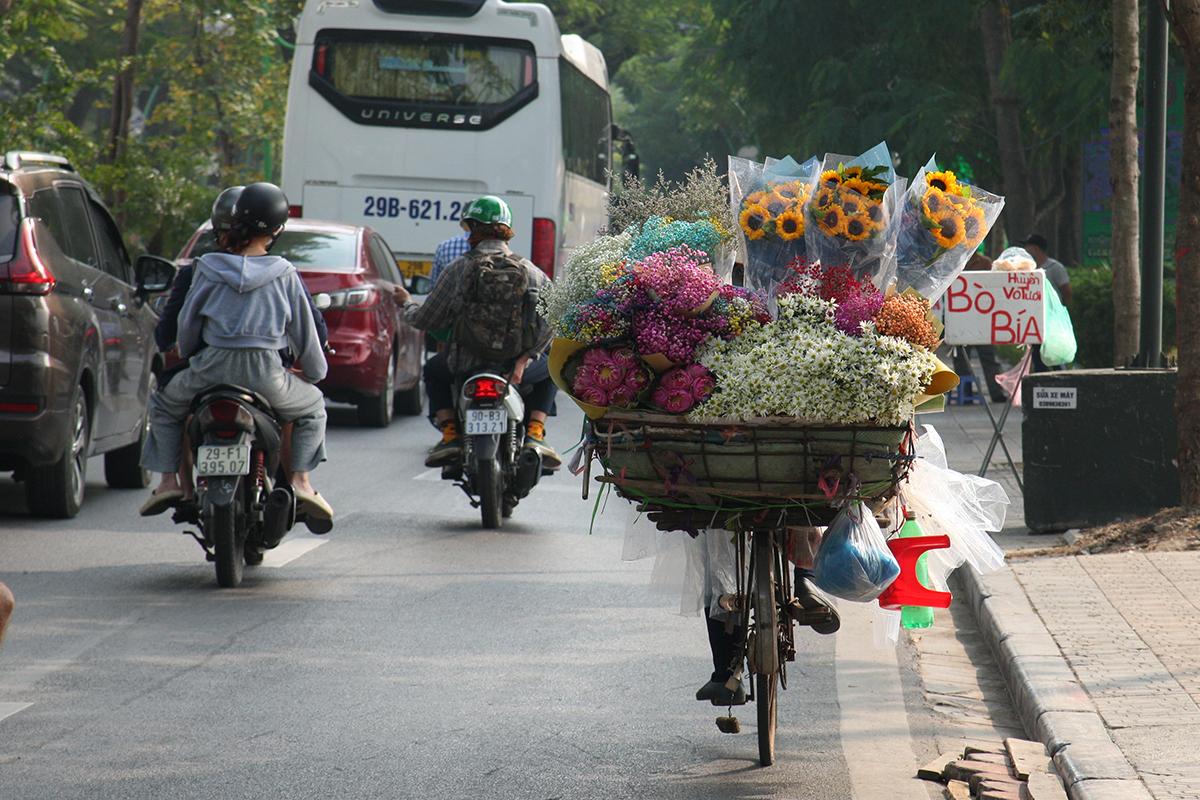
<point>295,211</point>
<point>545,243</point>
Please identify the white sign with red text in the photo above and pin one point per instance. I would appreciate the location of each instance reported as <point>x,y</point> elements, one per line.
<point>995,308</point>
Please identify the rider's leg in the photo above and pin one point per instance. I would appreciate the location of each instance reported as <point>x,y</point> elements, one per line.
<point>168,408</point>
<point>439,385</point>
<point>810,606</point>
<point>540,401</point>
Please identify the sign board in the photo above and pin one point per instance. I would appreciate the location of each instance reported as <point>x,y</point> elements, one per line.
<point>1057,397</point>
<point>995,308</point>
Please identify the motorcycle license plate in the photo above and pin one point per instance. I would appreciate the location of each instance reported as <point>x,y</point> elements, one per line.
<point>482,421</point>
<point>223,459</point>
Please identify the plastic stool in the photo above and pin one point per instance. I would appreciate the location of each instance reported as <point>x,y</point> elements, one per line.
<point>965,393</point>
<point>906,590</point>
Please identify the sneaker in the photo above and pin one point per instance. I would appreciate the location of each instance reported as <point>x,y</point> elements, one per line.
<point>535,439</point>
<point>448,450</point>
<point>717,693</point>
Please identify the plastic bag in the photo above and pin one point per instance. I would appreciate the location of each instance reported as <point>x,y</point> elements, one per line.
<point>1014,259</point>
<point>1058,340</point>
<point>854,562</point>
<point>1010,380</point>
<point>939,230</point>
<point>852,218</point>
<point>963,507</point>
<point>768,202</point>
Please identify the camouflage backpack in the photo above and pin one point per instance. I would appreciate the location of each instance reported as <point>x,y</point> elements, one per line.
<point>493,323</point>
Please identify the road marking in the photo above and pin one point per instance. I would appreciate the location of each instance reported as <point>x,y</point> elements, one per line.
<point>876,740</point>
<point>289,551</point>
<point>8,709</point>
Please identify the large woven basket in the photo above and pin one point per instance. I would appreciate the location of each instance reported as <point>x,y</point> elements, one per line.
<point>772,467</point>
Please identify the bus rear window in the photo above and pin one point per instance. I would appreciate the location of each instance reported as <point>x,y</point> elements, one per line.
<point>424,80</point>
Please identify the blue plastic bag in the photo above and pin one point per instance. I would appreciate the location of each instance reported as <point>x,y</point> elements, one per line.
<point>853,561</point>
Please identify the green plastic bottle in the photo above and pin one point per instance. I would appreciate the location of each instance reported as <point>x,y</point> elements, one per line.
<point>916,616</point>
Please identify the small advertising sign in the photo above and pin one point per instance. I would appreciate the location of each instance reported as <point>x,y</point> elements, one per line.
<point>995,308</point>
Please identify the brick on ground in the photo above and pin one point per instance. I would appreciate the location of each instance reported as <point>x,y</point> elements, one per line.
<point>1044,786</point>
<point>980,779</point>
<point>987,791</point>
<point>1027,757</point>
<point>964,770</point>
<point>957,790</point>
<point>933,770</point>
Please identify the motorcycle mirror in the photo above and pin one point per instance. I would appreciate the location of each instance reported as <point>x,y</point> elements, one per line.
<point>322,301</point>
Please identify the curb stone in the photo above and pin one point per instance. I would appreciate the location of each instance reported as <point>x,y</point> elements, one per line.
<point>1051,703</point>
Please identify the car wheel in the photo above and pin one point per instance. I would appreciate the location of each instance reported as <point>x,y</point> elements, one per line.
<point>123,468</point>
<point>376,411</point>
<point>409,402</point>
<point>56,490</point>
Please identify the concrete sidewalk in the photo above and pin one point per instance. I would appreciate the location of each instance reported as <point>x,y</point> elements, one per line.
<point>1101,653</point>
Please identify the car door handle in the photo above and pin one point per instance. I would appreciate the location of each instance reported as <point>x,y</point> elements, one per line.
<point>119,307</point>
<point>87,293</point>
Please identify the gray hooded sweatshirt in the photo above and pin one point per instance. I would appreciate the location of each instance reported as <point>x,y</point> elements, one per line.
<point>250,303</point>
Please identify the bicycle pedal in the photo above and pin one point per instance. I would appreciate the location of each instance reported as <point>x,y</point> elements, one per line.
<point>729,725</point>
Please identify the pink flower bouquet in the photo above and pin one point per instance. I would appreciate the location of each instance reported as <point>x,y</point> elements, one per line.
<point>609,377</point>
<point>681,389</point>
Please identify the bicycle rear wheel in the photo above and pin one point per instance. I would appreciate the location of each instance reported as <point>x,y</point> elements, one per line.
<point>766,643</point>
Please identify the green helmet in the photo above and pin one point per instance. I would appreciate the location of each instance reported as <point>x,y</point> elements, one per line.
<point>489,210</point>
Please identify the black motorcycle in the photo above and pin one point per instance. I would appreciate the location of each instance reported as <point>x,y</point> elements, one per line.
<point>244,504</point>
<point>495,470</point>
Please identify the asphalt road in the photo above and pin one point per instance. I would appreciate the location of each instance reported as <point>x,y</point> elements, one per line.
<point>408,654</point>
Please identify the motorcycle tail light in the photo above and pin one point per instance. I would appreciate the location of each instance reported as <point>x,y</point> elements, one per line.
<point>484,389</point>
<point>224,411</point>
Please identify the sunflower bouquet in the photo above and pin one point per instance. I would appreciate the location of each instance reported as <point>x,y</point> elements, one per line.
<point>850,214</point>
<point>943,221</point>
<point>768,202</point>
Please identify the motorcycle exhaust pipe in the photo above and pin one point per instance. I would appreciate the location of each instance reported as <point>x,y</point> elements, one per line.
<point>529,472</point>
<point>279,516</point>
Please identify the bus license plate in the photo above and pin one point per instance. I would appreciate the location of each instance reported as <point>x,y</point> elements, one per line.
<point>218,460</point>
<point>482,421</point>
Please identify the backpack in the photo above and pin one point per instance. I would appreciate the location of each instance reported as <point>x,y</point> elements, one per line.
<point>493,324</point>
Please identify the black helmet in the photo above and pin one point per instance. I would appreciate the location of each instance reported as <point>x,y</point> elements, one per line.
<point>223,206</point>
<point>260,209</point>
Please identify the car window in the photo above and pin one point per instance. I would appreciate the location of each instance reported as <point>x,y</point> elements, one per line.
<point>76,228</point>
<point>10,220</point>
<point>385,261</point>
<point>113,258</point>
<point>311,251</point>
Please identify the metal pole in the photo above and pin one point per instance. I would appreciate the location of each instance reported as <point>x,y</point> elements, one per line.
<point>1154,178</point>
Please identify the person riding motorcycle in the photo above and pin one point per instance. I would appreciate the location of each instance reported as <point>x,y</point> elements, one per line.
<point>243,307</point>
<point>451,304</point>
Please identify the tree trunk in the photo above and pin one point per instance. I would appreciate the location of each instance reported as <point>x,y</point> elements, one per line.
<point>1185,16</point>
<point>1123,175</point>
<point>1020,205</point>
<point>1070,226</point>
<point>122,106</point>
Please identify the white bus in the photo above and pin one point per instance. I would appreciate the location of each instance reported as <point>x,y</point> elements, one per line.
<point>400,112</point>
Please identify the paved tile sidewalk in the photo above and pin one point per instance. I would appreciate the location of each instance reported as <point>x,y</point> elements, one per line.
<point>1102,653</point>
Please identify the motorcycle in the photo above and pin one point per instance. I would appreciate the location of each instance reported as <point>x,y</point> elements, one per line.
<point>244,503</point>
<point>495,471</point>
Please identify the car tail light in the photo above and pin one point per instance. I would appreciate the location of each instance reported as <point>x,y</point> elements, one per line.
<point>484,389</point>
<point>545,244</point>
<point>295,211</point>
<point>27,273</point>
<point>321,61</point>
<point>365,296</point>
<point>18,408</point>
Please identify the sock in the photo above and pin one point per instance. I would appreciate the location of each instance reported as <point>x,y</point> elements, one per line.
<point>536,429</point>
<point>449,431</point>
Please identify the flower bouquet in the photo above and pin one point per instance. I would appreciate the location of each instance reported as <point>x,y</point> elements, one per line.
<point>942,223</point>
<point>768,201</point>
<point>851,215</point>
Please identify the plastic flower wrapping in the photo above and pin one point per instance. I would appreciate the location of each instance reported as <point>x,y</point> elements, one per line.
<point>768,201</point>
<point>942,223</point>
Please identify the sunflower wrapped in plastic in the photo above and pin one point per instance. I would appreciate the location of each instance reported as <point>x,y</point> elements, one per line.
<point>850,214</point>
<point>768,201</point>
<point>944,220</point>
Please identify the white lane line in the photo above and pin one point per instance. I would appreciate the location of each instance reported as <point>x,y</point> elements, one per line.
<point>8,709</point>
<point>875,734</point>
<point>289,551</point>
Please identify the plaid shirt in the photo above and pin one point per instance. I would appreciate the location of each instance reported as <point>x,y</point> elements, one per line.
<point>444,304</point>
<point>447,253</point>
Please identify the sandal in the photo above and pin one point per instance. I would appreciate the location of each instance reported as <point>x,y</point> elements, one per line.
<point>158,502</point>
<point>313,504</point>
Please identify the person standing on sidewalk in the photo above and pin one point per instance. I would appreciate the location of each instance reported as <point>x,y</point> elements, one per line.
<point>1056,274</point>
<point>986,352</point>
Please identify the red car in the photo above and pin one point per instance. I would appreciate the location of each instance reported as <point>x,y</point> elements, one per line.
<point>376,358</point>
